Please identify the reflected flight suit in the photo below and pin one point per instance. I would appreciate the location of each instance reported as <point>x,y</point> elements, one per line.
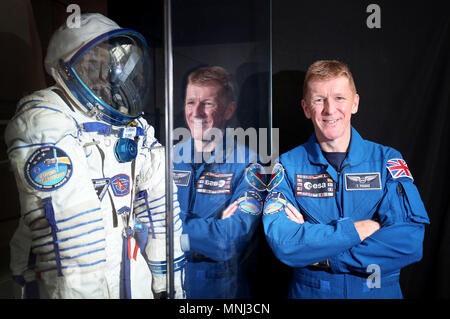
<point>372,183</point>
<point>215,248</point>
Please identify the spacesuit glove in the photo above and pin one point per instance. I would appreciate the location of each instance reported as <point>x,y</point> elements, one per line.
<point>161,295</point>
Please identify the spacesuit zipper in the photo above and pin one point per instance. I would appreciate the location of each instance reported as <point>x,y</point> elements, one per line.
<point>341,214</point>
<point>339,176</point>
<point>192,188</point>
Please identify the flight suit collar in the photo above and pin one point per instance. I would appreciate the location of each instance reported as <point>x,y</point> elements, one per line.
<point>355,154</point>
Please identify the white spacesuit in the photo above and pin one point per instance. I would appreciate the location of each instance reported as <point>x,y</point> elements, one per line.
<point>90,173</point>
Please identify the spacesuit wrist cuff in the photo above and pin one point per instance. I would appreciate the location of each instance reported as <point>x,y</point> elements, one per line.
<point>185,243</point>
<point>348,228</point>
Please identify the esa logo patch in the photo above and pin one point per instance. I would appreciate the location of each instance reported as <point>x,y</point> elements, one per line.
<point>314,185</point>
<point>48,168</point>
<point>214,183</point>
<point>120,185</point>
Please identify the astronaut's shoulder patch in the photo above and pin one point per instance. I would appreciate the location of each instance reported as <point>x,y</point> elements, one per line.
<point>320,185</point>
<point>362,181</point>
<point>397,167</point>
<point>255,177</point>
<point>276,176</point>
<point>181,178</point>
<point>120,185</point>
<point>275,202</point>
<point>48,168</point>
<point>214,183</point>
<point>250,202</point>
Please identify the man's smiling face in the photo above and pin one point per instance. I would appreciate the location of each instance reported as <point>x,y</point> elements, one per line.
<point>330,104</point>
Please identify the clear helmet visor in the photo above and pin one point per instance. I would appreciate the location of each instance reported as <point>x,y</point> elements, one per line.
<point>117,72</point>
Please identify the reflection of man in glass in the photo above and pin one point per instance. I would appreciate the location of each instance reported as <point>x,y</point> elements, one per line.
<point>219,208</point>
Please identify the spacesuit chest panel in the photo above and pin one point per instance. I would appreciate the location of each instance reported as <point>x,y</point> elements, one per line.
<point>108,175</point>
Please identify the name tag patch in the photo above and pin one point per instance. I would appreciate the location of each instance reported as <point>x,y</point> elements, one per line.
<point>362,181</point>
<point>321,185</point>
<point>181,178</point>
<point>214,183</point>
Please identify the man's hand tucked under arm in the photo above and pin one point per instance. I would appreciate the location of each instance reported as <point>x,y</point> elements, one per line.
<point>293,214</point>
<point>230,210</point>
<point>366,227</point>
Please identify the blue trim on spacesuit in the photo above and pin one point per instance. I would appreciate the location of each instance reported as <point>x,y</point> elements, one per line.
<point>50,216</point>
<point>30,145</point>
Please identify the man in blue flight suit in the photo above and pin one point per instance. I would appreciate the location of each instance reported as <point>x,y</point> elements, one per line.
<point>342,211</point>
<point>220,190</point>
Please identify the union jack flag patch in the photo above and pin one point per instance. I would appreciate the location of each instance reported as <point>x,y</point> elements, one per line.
<point>398,168</point>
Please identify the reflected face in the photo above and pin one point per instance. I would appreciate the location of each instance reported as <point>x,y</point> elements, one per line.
<point>205,109</point>
<point>330,105</point>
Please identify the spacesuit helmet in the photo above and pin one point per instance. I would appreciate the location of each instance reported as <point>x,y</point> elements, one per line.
<point>104,68</point>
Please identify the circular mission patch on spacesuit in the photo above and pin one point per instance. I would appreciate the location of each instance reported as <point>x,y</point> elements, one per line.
<point>275,202</point>
<point>48,168</point>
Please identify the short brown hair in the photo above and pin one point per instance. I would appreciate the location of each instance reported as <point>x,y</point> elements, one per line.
<point>325,70</point>
<point>214,75</point>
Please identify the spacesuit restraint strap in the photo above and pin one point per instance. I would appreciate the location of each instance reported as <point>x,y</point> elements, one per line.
<point>106,129</point>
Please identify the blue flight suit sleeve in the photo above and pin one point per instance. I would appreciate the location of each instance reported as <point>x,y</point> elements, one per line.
<point>221,239</point>
<point>300,245</point>
<point>398,243</point>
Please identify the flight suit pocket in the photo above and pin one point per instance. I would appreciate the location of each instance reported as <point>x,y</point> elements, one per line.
<point>412,203</point>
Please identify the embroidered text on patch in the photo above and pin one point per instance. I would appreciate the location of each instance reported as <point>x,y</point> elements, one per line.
<point>362,181</point>
<point>48,168</point>
<point>275,202</point>
<point>181,178</point>
<point>314,185</point>
<point>250,202</point>
<point>214,183</point>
